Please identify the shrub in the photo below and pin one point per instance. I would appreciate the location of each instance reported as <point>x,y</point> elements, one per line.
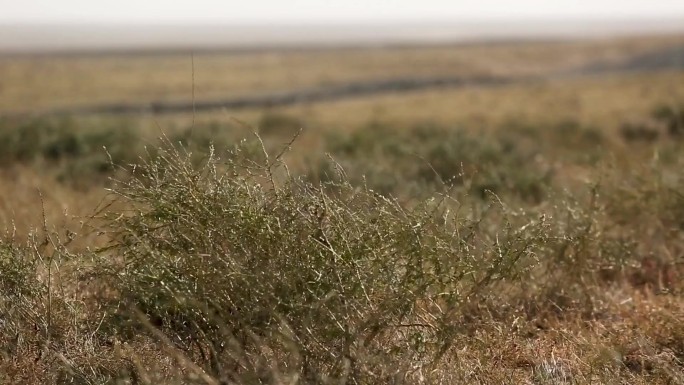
<point>573,134</point>
<point>426,157</point>
<point>279,124</point>
<point>19,284</point>
<point>75,149</point>
<point>329,281</point>
<point>672,117</point>
<point>635,132</point>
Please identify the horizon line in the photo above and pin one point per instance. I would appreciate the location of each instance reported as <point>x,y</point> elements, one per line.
<point>45,38</point>
<point>323,22</point>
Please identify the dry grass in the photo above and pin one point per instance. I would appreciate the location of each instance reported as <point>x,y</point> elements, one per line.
<point>30,196</point>
<point>600,101</point>
<point>603,101</point>
<point>30,83</point>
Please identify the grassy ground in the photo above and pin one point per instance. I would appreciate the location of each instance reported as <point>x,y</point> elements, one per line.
<point>528,234</point>
<point>603,101</point>
<point>39,82</point>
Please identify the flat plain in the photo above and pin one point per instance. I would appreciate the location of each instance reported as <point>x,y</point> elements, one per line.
<point>527,230</point>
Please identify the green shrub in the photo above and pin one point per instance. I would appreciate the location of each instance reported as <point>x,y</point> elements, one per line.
<point>18,279</point>
<point>330,281</point>
<point>426,157</point>
<point>672,117</point>
<point>76,149</point>
<point>279,124</point>
<point>572,134</point>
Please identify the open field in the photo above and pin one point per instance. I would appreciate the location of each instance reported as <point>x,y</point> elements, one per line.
<point>527,233</point>
<point>35,82</point>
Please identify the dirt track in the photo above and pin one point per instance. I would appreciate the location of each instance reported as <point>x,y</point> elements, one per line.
<point>309,95</point>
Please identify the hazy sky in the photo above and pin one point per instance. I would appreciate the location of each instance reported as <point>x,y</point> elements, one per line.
<point>316,11</point>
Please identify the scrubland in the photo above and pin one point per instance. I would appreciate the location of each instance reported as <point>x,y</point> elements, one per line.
<point>528,234</point>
